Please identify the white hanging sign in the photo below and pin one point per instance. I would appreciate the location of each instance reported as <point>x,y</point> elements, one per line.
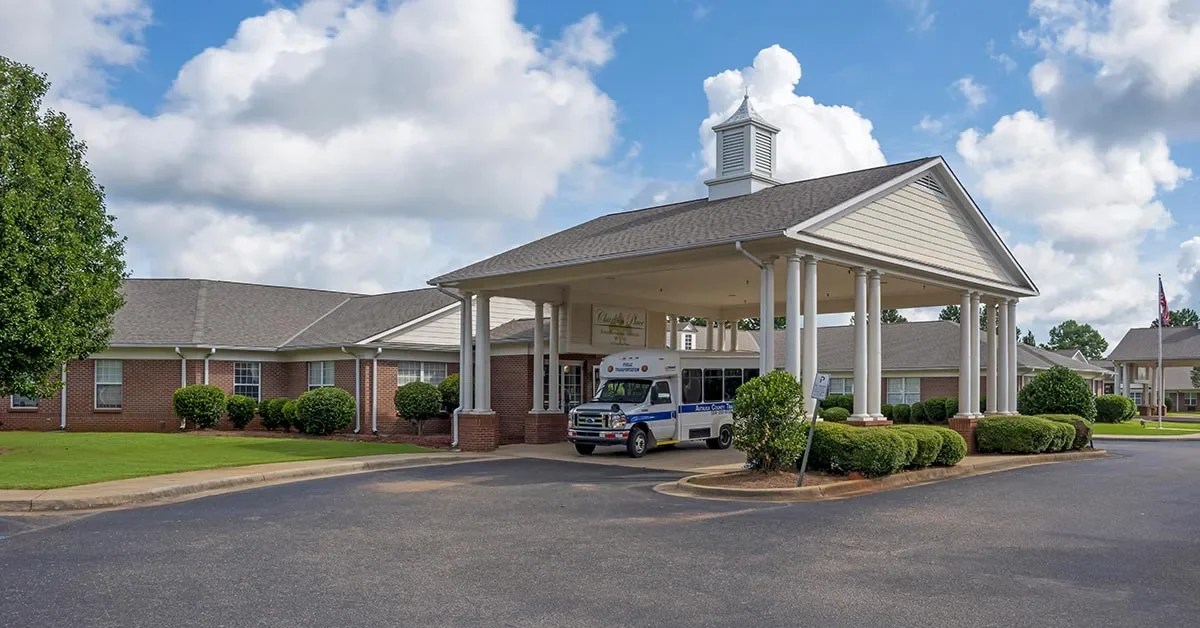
<point>618,326</point>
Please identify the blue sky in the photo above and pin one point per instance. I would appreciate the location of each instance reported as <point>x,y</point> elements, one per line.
<point>367,145</point>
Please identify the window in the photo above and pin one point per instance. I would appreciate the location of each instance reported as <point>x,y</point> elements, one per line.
<point>714,387</point>
<point>841,385</point>
<point>733,380</point>
<point>108,385</point>
<point>693,385</point>
<point>320,374</point>
<point>1137,397</point>
<point>662,393</point>
<point>905,390</point>
<point>428,372</point>
<point>1189,400</point>
<point>247,379</point>
<point>689,341</point>
<point>21,401</point>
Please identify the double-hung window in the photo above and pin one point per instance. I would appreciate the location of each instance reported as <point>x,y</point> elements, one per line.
<point>1189,400</point>
<point>428,372</point>
<point>841,385</point>
<point>21,402</point>
<point>905,390</point>
<point>108,385</point>
<point>247,379</point>
<point>320,374</point>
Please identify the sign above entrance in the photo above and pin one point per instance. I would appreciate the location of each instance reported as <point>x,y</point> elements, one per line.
<point>618,326</point>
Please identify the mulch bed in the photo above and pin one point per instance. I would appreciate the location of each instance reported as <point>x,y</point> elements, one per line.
<point>754,479</point>
<point>436,441</point>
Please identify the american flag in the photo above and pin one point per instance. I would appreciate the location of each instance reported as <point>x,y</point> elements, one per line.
<point>1164,314</point>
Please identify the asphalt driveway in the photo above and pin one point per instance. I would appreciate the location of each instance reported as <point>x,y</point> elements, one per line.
<point>549,543</point>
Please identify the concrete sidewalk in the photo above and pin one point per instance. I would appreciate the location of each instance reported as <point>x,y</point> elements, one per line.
<point>175,485</point>
<point>1152,438</point>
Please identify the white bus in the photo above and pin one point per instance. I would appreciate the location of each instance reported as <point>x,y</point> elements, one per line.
<point>651,397</point>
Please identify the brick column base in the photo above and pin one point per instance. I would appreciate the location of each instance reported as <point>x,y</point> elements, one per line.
<point>545,427</point>
<point>478,430</point>
<point>965,427</point>
<point>881,423</point>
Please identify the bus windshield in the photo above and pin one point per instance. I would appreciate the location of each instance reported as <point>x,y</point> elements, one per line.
<point>623,391</point>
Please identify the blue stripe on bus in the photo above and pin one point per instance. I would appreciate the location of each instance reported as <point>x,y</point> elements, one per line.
<point>707,407</point>
<point>652,416</point>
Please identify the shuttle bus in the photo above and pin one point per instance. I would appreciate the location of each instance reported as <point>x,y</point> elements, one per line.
<point>653,397</point>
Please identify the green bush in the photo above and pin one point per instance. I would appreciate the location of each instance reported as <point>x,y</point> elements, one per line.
<point>1081,428</point>
<point>1014,434</point>
<point>917,413</point>
<point>1064,435</point>
<point>929,443</point>
<point>448,388</point>
<point>951,406</point>
<point>240,409</point>
<point>838,401</point>
<point>768,421</point>
<point>1058,390</point>
<point>288,413</point>
<point>1114,409</point>
<point>200,404</point>
<point>836,413</point>
<point>325,410</point>
<point>889,411</point>
<point>911,447</point>
<point>939,409</point>
<point>271,411</point>
<point>982,403</point>
<point>418,401</point>
<point>954,447</point>
<point>870,451</point>
<point>902,413</point>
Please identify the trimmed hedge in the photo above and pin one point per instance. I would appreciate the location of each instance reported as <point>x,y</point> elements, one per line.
<point>871,451</point>
<point>449,391</point>
<point>929,443</point>
<point>240,409</point>
<point>901,412</point>
<point>889,411</point>
<point>836,413</point>
<point>200,404</point>
<point>418,401</point>
<point>1064,435</point>
<point>954,447</point>
<point>935,411</point>
<point>1058,390</point>
<point>1015,434</point>
<point>1114,409</point>
<point>271,411</point>
<point>288,413</point>
<point>911,447</point>
<point>838,401</point>
<point>1081,427</point>
<point>917,413</point>
<point>325,410</point>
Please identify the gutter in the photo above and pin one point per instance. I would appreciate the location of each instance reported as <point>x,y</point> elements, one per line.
<point>357,392</point>
<point>211,351</point>
<point>463,338</point>
<point>375,392</point>
<point>754,260</point>
<point>62,404</point>
<point>183,379</point>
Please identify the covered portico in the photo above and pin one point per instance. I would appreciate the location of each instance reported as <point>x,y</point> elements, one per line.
<point>1136,361</point>
<point>900,236</point>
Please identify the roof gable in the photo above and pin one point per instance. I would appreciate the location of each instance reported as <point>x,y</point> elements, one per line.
<point>362,317</point>
<point>1178,343</point>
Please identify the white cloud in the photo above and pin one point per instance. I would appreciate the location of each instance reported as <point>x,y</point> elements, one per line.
<point>72,40</point>
<point>975,94</point>
<point>1003,59</point>
<point>922,12</point>
<point>1189,270</point>
<point>930,124</point>
<point>325,143</point>
<point>815,140</point>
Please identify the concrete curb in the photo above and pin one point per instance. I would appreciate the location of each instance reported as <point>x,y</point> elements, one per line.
<point>687,487</point>
<point>246,477</point>
<point>1146,439</point>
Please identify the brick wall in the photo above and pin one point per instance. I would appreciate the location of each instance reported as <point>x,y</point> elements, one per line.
<point>512,395</point>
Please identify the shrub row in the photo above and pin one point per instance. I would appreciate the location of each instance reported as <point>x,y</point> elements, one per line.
<point>934,411</point>
<point>1114,409</point>
<point>1032,434</point>
<point>203,406</point>
<point>876,451</point>
<point>838,401</point>
<point>318,411</point>
<point>837,414</point>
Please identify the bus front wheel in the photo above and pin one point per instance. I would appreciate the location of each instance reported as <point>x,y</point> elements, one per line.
<point>723,440</point>
<point>638,443</point>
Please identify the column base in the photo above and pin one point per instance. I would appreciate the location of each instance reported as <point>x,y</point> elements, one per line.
<point>478,430</point>
<point>965,426</point>
<point>545,427</point>
<point>868,422</point>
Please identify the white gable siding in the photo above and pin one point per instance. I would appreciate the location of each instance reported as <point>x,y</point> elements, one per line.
<point>917,223</point>
<point>443,329</point>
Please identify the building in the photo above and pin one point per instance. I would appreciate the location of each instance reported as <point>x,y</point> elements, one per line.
<point>1136,358</point>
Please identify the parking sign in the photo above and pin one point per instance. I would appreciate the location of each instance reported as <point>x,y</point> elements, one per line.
<point>820,388</point>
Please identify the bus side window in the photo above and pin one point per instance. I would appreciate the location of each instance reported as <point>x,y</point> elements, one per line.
<point>662,393</point>
<point>733,379</point>
<point>713,388</point>
<point>693,386</point>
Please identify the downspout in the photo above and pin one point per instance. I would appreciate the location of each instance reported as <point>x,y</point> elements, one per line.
<point>62,403</point>
<point>357,392</point>
<point>754,260</point>
<point>375,392</point>
<point>182,379</point>
<point>464,336</point>
<point>211,351</point>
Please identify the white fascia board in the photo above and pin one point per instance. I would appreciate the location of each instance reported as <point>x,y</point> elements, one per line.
<point>406,325</point>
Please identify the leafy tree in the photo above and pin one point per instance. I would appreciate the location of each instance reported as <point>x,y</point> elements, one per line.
<point>418,401</point>
<point>1195,377</point>
<point>1058,390</point>
<point>1027,338</point>
<point>769,421</point>
<point>887,317</point>
<point>752,324</point>
<point>1184,317</point>
<point>60,257</point>
<point>950,313</point>
<point>1070,334</point>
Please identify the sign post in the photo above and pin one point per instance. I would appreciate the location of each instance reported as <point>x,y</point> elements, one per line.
<point>820,390</point>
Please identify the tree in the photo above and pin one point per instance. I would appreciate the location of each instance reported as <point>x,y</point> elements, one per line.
<point>1195,377</point>
<point>950,313</point>
<point>1072,335</point>
<point>1027,338</point>
<point>61,269</point>
<point>1184,317</point>
<point>752,324</point>
<point>887,317</point>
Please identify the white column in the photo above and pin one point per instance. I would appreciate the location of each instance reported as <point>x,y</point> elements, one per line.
<point>466,357</point>
<point>762,321</point>
<point>483,353</point>
<point>539,357</point>
<point>875,347</point>
<point>721,336</point>
<point>1124,380</point>
<point>973,409</point>
<point>1003,380</point>
<point>669,342</point>
<point>792,313</point>
<point>708,335</point>
<point>964,357</point>
<point>555,369</point>
<point>1012,356</point>
<point>733,337</point>
<point>993,342</point>
<point>860,345</point>
<point>809,357</point>
<point>768,323</point>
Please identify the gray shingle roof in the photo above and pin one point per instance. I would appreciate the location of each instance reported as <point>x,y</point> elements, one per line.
<point>201,312</point>
<point>1179,343</point>
<point>695,222</point>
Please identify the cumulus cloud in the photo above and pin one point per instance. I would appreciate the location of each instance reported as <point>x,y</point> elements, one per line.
<point>330,143</point>
<point>930,124</point>
<point>974,93</point>
<point>1189,268</point>
<point>922,13</point>
<point>1002,58</point>
<point>815,139</point>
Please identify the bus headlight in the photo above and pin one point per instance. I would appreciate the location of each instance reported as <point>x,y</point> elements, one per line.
<point>617,420</point>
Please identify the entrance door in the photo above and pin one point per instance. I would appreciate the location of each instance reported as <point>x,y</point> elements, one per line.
<point>571,392</point>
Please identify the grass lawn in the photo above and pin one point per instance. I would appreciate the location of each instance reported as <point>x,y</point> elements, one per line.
<point>1134,428</point>
<point>39,460</point>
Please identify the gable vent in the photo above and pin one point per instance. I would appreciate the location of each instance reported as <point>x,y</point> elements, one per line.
<point>930,183</point>
<point>733,152</point>
<point>762,151</point>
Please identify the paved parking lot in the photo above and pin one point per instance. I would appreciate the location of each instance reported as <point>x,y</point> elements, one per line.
<point>551,543</point>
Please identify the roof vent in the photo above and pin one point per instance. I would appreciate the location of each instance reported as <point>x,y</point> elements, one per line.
<point>930,183</point>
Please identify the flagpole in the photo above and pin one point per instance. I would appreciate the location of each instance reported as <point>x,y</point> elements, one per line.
<point>1158,375</point>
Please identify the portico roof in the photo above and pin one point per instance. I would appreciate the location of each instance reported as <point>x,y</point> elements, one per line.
<point>1180,346</point>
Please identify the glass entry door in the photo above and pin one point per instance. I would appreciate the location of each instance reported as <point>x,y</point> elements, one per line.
<point>571,392</point>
